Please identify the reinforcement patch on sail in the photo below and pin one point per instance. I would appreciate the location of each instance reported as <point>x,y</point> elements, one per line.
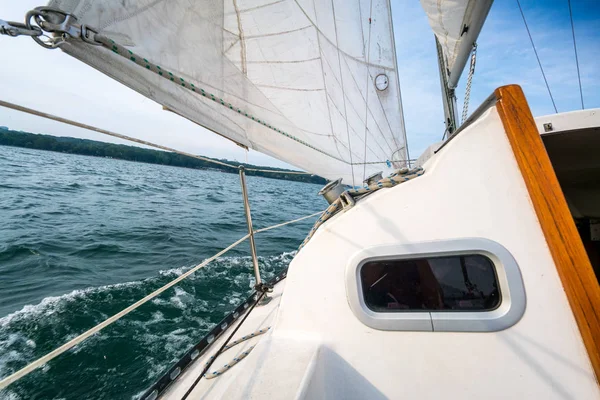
<point>322,71</point>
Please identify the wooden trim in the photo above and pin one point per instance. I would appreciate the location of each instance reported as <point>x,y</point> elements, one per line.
<point>558,226</point>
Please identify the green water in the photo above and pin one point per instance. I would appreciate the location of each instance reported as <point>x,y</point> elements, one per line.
<point>82,238</point>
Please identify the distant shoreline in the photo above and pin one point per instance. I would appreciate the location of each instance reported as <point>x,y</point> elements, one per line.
<point>86,147</point>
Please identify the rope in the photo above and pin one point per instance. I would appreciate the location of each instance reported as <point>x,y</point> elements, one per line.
<point>210,362</point>
<point>74,342</point>
<point>465,110</point>
<point>238,357</point>
<point>576,58</point>
<point>157,69</point>
<point>398,177</point>
<point>132,139</point>
<point>536,56</point>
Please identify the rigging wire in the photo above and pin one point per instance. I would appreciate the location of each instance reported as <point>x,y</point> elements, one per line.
<point>368,81</point>
<point>132,139</point>
<point>536,56</point>
<point>4,382</point>
<point>576,57</point>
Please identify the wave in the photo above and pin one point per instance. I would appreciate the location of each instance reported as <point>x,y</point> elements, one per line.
<point>135,349</point>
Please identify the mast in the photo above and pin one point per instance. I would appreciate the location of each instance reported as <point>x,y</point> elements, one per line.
<point>456,25</point>
<point>448,95</point>
<point>476,13</point>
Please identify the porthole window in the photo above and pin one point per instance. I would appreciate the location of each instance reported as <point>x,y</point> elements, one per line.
<point>453,283</point>
<point>461,285</point>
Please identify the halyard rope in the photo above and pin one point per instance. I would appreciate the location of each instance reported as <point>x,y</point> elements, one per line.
<point>72,343</point>
<point>132,139</point>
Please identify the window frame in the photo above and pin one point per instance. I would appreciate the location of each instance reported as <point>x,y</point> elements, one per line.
<point>510,286</point>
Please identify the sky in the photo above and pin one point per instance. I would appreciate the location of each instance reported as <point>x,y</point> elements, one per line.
<point>53,82</point>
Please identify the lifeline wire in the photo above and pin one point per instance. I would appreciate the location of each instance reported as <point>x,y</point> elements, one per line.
<point>132,139</point>
<point>74,342</point>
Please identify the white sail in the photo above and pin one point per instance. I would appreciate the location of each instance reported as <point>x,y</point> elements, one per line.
<point>456,24</point>
<point>305,67</point>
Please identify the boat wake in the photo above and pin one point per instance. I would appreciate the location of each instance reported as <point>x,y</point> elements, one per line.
<point>128,356</point>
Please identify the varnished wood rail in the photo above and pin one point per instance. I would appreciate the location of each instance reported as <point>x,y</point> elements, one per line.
<point>557,224</point>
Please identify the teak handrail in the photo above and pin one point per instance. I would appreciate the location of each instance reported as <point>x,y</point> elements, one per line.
<point>572,262</point>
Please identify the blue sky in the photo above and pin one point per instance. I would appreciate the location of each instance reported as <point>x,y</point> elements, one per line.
<point>56,83</point>
<point>504,56</point>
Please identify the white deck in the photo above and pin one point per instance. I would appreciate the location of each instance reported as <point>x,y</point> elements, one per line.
<point>317,347</point>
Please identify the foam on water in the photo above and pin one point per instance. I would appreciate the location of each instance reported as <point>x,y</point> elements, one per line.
<point>82,238</point>
<point>163,329</point>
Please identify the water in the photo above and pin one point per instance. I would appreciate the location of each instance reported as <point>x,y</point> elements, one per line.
<point>82,238</point>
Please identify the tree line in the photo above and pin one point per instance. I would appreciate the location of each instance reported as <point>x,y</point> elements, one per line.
<point>94,148</point>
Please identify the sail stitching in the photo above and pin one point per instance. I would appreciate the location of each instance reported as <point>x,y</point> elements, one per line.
<point>245,10</point>
<point>129,15</point>
<point>279,33</point>
<point>367,87</point>
<point>351,105</point>
<point>358,136</point>
<point>340,50</point>
<point>371,112</point>
<point>124,52</point>
<point>339,57</point>
<point>241,36</point>
<point>358,115</point>
<point>319,34</point>
<point>342,115</point>
<point>335,139</point>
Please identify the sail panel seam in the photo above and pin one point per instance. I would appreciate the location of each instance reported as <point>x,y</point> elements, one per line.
<point>143,62</point>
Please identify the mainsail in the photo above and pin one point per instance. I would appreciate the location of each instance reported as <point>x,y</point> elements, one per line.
<point>306,68</point>
<point>456,24</point>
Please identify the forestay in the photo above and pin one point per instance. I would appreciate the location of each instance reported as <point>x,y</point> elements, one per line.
<point>303,67</point>
<point>456,24</point>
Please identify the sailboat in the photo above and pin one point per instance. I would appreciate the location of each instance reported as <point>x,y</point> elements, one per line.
<point>472,271</point>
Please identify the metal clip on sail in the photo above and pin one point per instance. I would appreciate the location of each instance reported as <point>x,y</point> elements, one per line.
<point>42,20</point>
